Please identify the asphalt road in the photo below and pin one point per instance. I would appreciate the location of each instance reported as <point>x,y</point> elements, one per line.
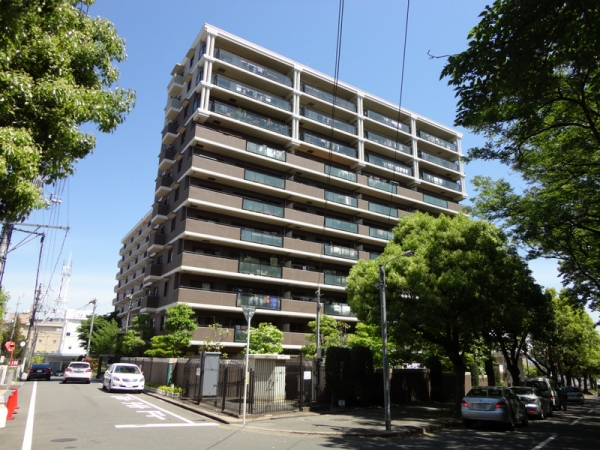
<point>80,416</point>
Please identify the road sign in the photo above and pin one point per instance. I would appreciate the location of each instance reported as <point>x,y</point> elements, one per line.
<point>10,346</point>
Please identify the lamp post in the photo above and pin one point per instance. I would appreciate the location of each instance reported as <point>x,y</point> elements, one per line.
<point>248,313</point>
<point>384,352</point>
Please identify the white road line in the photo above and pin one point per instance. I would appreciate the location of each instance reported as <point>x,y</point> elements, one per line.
<point>575,421</point>
<point>27,439</point>
<point>543,444</point>
<point>164,410</point>
<point>167,425</point>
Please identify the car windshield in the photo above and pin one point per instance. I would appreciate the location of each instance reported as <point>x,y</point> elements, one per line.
<point>127,369</point>
<point>40,366</point>
<point>572,389</point>
<point>522,390</point>
<point>492,393</point>
<point>538,384</point>
<point>79,365</point>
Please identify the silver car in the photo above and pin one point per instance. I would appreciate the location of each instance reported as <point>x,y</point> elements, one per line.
<point>493,404</point>
<point>535,403</point>
<point>123,376</point>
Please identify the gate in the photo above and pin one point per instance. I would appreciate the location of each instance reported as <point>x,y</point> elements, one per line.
<point>200,376</point>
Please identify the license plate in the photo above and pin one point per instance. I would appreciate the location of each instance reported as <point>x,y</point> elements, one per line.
<point>480,406</point>
<point>79,371</point>
<point>39,370</point>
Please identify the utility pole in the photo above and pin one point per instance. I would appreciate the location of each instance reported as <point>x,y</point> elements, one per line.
<point>29,345</point>
<point>87,355</point>
<point>318,345</point>
<point>128,311</point>
<point>12,332</point>
<point>7,229</point>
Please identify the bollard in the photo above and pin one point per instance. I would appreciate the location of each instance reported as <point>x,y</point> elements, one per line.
<point>15,388</point>
<point>10,406</point>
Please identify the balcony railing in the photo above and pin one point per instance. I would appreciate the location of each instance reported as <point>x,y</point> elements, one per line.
<point>339,124</point>
<point>382,140</point>
<point>263,178</point>
<point>240,333</point>
<point>437,160</point>
<point>260,269</point>
<point>391,165</point>
<point>253,67</point>
<point>437,140</point>
<point>328,144</point>
<point>382,209</point>
<point>435,201</point>
<point>261,149</point>
<point>262,207</point>
<point>386,120</point>
<point>260,237</point>
<point>374,255</point>
<point>383,185</point>
<point>341,225</point>
<point>440,181</point>
<point>339,173</point>
<point>249,117</point>
<point>342,199</point>
<point>341,252</point>
<point>247,91</point>
<point>338,309</point>
<point>259,301</point>
<point>336,280</point>
<point>326,96</point>
<point>381,234</point>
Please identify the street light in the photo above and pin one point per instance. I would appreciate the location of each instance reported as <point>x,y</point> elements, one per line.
<point>384,352</point>
<point>248,313</point>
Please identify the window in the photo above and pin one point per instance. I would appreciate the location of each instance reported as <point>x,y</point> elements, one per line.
<point>162,323</point>
<point>179,164</point>
<point>173,223</point>
<point>166,289</point>
<point>68,333</point>
<point>170,256</point>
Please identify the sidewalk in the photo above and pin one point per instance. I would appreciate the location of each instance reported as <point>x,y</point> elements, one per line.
<point>407,420</point>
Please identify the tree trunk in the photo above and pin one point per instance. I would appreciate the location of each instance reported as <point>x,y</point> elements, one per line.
<point>459,389</point>
<point>515,373</point>
<point>489,371</point>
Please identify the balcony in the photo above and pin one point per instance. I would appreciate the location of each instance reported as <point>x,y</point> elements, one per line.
<point>173,108</point>
<point>250,118</point>
<point>436,140</point>
<point>253,93</point>
<point>339,173</point>
<point>262,207</point>
<point>166,158</point>
<point>153,272</point>
<point>169,133</point>
<point>341,225</point>
<point>157,242</point>
<point>390,165</point>
<point>270,302</point>
<point>175,85</point>
<point>382,209</point>
<point>328,144</point>
<point>259,269</point>
<point>163,185</point>
<point>386,121</point>
<point>253,67</point>
<point>263,150</point>
<point>381,234</point>
<point>327,97</point>
<point>435,201</point>
<point>335,279</point>
<point>440,181</point>
<point>263,178</point>
<point>338,309</point>
<point>341,199</point>
<point>340,252</point>
<point>260,237</point>
<point>382,185</point>
<point>439,161</point>
<point>160,213</point>
<point>387,142</point>
<point>326,120</point>
<point>149,301</point>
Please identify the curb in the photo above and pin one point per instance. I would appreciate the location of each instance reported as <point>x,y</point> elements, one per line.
<point>190,408</point>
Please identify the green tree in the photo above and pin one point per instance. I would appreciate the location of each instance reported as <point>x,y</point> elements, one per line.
<point>4,298</point>
<point>267,339</point>
<point>104,338</point>
<point>215,342</point>
<point>132,344</point>
<point>83,330</point>
<point>329,332</point>
<point>17,337</point>
<point>56,74</point>
<point>529,82</point>
<point>445,292</point>
<point>179,327</point>
<point>369,336</point>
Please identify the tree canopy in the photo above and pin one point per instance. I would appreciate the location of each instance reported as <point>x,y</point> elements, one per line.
<point>265,340</point>
<point>329,331</point>
<point>104,334</point>
<point>179,327</point>
<point>56,74</point>
<point>530,83</point>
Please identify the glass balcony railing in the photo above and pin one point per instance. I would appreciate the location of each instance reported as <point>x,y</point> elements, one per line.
<point>247,91</point>
<point>339,173</point>
<point>260,237</point>
<point>261,149</point>
<point>338,309</point>
<point>374,255</point>
<point>259,302</point>
<point>253,67</point>
<point>339,198</point>
<point>250,118</point>
<point>240,333</point>
<point>262,207</point>
<point>382,209</point>
<point>441,181</point>
<point>326,96</point>
<point>263,178</point>
<point>382,140</point>
<point>437,160</point>
<point>260,269</point>
<point>383,185</point>
<point>341,225</point>
<point>391,165</point>
<point>341,252</point>
<point>435,201</point>
<point>329,145</point>
<point>437,140</point>
<point>386,120</point>
<point>336,280</point>
<point>381,234</point>
<point>339,124</point>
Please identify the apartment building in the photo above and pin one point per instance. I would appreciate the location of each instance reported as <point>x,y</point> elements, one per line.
<point>272,181</point>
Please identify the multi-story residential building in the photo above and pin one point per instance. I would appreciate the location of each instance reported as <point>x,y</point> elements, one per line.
<point>273,180</point>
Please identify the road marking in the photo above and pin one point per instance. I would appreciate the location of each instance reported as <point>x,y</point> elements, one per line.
<point>543,444</point>
<point>167,425</point>
<point>27,439</point>
<point>575,421</point>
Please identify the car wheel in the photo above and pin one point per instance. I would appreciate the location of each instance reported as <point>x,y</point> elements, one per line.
<point>550,411</point>
<point>64,381</point>
<point>109,388</point>
<point>467,423</point>
<point>88,381</point>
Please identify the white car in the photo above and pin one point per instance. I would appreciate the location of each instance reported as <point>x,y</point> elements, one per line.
<point>122,376</point>
<point>78,371</point>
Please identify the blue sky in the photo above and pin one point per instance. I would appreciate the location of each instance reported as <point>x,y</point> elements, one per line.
<point>113,187</point>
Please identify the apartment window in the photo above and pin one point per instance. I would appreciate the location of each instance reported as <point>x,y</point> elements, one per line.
<point>162,323</point>
<point>192,61</point>
<point>170,256</point>
<point>179,165</point>
<point>176,195</point>
<point>189,86</point>
<point>166,289</point>
<point>173,223</point>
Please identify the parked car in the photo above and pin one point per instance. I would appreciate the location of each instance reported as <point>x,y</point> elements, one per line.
<point>548,388</point>
<point>535,403</point>
<point>78,371</point>
<point>494,404</point>
<point>123,376</point>
<point>39,372</point>
<point>574,394</point>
